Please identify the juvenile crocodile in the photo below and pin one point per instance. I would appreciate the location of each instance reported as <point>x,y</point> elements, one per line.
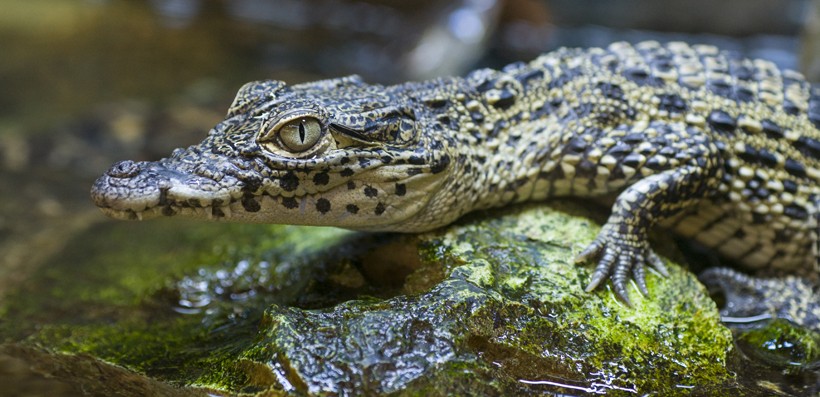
<point>717,148</point>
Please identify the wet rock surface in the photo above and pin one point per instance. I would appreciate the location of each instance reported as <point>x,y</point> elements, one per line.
<point>489,307</point>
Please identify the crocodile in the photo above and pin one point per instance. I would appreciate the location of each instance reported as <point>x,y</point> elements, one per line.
<point>716,148</point>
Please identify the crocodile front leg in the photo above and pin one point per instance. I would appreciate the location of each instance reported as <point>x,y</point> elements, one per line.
<point>621,246</point>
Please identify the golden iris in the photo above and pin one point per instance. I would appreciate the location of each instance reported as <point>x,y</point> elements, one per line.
<point>300,134</point>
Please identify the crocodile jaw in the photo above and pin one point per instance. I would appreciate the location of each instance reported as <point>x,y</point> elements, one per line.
<point>140,190</point>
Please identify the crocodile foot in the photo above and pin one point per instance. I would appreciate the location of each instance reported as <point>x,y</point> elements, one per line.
<point>620,255</point>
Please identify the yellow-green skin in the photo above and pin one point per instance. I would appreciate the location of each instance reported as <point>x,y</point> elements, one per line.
<point>716,148</point>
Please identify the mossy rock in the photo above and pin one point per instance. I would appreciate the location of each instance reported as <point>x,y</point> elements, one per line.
<point>492,305</point>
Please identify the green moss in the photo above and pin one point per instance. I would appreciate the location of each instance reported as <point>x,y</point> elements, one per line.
<point>493,306</point>
<point>783,345</point>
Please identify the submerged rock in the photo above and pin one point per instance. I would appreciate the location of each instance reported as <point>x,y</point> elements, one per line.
<point>483,307</point>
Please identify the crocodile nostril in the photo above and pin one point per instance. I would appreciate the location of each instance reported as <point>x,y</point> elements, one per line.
<point>124,169</point>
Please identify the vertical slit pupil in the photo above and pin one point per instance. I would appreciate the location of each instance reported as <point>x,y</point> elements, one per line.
<point>302,131</point>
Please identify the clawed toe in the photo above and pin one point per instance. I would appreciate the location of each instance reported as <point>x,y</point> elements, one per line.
<point>621,262</point>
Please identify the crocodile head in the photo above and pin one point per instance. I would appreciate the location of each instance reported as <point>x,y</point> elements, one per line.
<point>335,152</point>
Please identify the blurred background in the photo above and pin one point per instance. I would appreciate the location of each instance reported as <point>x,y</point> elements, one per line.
<point>84,83</point>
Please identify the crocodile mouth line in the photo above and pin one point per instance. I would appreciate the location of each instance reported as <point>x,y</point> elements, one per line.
<point>209,212</point>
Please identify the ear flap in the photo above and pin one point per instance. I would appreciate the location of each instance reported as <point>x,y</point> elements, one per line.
<point>252,93</point>
<point>354,80</point>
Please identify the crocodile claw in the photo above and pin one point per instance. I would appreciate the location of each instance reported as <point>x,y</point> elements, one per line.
<point>620,257</point>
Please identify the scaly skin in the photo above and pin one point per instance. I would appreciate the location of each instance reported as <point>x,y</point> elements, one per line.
<point>716,148</point>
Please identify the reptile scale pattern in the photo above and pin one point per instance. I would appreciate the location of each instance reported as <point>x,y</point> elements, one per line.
<point>717,148</point>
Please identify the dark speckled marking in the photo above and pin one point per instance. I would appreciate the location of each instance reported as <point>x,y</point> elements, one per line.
<point>401,189</point>
<point>346,172</point>
<point>352,208</point>
<point>370,191</point>
<point>722,122</point>
<point>379,208</point>
<point>321,179</point>
<point>771,129</point>
<point>323,205</point>
<point>505,101</point>
<point>672,103</point>
<point>807,146</point>
<point>289,182</point>
<point>250,204</point>
<point>795,168</point>
<point>290,203</point>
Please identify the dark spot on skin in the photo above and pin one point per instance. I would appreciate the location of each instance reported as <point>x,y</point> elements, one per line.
<point>414,171</point>
<point>790,108</point>
<point>767,158</point>
<point>346,172</point>
<point>401,189</point>
<point>744,94</point>
<point>352,208</point>
<point>814,108</point>
<point>612,91</point>
<point>505,100</point>
<point>321,179</point>
<point>387,159</point>
<point>576,145</point>
<point>251,185</point>
<point>344,160</point>
<point>323,205</point>
<point>250,204</point>
<point>722,122</point>
<point>290,202</point>
<point>720,87</point>
<point>525,78</point>
<point>379,209</point>
<point>749,154</point>
<point>796,211</point>
<point>441,164</point>
<point>808,146</point>
<point>759,219</point>
<point>351,185</point>
<point>654,163</point>
<point>436,103</point>
<point>740,234</point>
<point>289,182</point>
<point>370,191</point>
<point>619,150</point>
<point>795,168</point>
<point>632,160</point>
<point>642,77</point>
<point>672,103</point>
<point>485,85</point>
<point>633,138</point>
<point>790,186</point>
<point>416,160</point>
<point>585,167</point>
<point>771,129</point>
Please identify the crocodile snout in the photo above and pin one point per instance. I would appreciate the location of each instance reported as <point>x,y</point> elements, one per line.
<point>124,169</point>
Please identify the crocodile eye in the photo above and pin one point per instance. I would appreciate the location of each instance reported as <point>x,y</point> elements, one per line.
<point>300,134</point>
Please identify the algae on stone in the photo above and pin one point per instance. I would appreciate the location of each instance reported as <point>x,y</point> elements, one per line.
<point>492,306</point>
